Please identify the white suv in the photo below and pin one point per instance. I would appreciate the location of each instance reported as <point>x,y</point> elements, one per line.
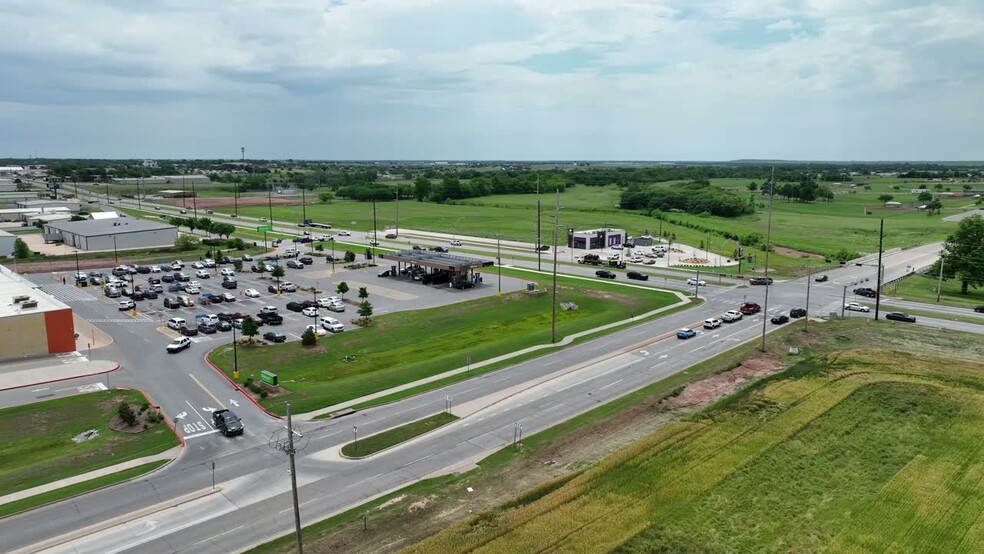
<point>179,344</point>
<point>731,316</point>
<point>177,323</point>
<point>712,323</point>
<point>268,310</point>
<point>332,324</point>
<point>227,272</point>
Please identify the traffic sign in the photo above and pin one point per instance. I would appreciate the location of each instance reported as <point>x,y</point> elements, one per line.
<point>264,228</point>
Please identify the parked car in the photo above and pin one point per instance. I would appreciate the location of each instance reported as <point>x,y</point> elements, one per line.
<point>749,308</point>
<point>143,269</point>
<point>229,283</point>
<point>712,323</point>
<point>207,327</point>
<point>227,272</point>
<point>287,286</point>
<point>306,260</point>
<point>693,281</point>
<point>604,273</point>
<point>760,281</point>
<point>638,275</point>
<point>189,331</point>
<point>295,306</point>
<point>900,316</point>
<point>797,312</point>
<point>227,297</point>
<point>176,323</point>
<point>178,344</point>
<point>686,333</point>
<point>385,273</point>
<point>203,274</point>
<point>273,336</point>
<point>310,312</point>
<point>855,307</point>
<point>274,289</point>
<point>223,326</point>
<point>332,324</point>
<point>198,265</point>
<point>150,294</point>
<point>731,316</point>
<point>227,423</point>
<point>127,304</point>
<point>316,330</point>
<point>821,278</point>
<point>251,293</point>
<point>294,264</point>
<point>171,302</point>
<point>268,310</point>
<point>336,307</point>
<point>780,319</point>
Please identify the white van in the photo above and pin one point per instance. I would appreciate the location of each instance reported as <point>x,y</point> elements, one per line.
<point>331,324</point>
<point>177,323</point>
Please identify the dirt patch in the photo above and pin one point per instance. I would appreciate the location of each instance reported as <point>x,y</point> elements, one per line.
<point>391,501</point>
<point>721,384</point>
<point>796,253</point>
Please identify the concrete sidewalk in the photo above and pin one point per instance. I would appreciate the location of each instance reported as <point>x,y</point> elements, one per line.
<point>60,367</point>
<point>109,470</point>
<point>559,344</point>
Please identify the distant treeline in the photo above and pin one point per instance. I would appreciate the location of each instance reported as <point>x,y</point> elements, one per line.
<point>696,197</point>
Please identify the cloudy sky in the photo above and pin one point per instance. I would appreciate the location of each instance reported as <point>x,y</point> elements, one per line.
<point>493,79</point>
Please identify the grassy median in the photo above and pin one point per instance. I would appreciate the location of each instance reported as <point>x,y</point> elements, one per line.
<point>392,437</point>
<point>406,346</point>
<point>38,448</point>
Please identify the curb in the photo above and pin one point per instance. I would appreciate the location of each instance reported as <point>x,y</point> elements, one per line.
<point>62,379</point>
<point>236,386</point>
<point>166,420</point>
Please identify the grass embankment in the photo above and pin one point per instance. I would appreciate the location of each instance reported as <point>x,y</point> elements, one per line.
<point>392,437</point>
<point>406,346</point>
<point>548,460</point>
<point>922,288</point>
<point>847,451</point>
<point>38,446</point>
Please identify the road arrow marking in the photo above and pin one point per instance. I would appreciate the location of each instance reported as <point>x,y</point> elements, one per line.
<point>234,403</point>
<point>148,527</point>
<point>644,352</point>
<point>664,356</point>
<point>182,415</point>
<point>207,409</point>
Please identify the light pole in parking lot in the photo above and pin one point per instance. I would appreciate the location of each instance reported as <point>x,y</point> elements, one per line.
<point>235,354</point>
<point>77,269</point>
<point>355,438</point>
<point>315,293</point>
<point>332,241</point>
<point>116,259</point>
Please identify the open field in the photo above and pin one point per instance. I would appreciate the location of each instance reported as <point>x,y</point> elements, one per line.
<point>38,446</point>
<point>860,450</point>
<point>923,288</point>
<point>513,478</point>
<point>422,343</point>
<point>391,437</point>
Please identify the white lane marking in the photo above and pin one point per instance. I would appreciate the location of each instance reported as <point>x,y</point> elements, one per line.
<point>198,414</point>
<point>611,384</point>
<point>602,374</point>
<point>415,461</point>
<point>222,533</point>
<point>202,434</point>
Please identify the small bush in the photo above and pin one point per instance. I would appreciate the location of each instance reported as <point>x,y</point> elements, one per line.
<point>127,414</point>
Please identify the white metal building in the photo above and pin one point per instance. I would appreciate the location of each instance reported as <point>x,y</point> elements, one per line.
<point>109,234</point>
<point>6,243</point>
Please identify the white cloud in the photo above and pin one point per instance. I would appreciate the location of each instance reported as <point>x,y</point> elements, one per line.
<point>784,25</point>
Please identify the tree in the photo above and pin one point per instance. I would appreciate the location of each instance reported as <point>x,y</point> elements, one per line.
<point>365,309</point>
<point>277,273</point>
<point>368,254</point>
<point>326,196</point>
<point>186,242</point>
<point>238,264</point>
<point>422,188</point>
<point>249,328</point>
<point>363,293</point>
<point>342,288</point>
<point>308,337</point>
<point>126,414</point>
<point>21,249</point>
<point>349,256</point>
<point>885,198</point>
<point>223,229</point>
<point>964,253</point>
<point>925,196</point>
<point>934,207</point>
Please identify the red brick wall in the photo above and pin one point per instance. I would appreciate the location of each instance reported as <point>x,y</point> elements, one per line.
<point>60,328</point>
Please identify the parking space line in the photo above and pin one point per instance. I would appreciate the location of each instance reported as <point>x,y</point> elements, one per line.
<point>208,392</point>
<point>202,434</point>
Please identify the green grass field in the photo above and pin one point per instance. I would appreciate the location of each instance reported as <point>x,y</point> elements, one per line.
<point>923,288</point>
<point>405,346</point>
<point>37,446</point>
<point>381,441</point>
<point>862,450</point>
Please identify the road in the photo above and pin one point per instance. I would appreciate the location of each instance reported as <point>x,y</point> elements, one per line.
<point>253,503</point>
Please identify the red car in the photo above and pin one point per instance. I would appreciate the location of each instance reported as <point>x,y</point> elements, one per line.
<point>749,308</point>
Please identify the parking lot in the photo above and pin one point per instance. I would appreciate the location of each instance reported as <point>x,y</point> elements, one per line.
<point>386,294</point>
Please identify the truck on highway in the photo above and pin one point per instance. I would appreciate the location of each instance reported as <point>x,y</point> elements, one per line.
<point>590,259</point>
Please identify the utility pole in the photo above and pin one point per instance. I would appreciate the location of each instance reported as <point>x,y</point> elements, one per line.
<point>939,282</point>
<point>303,206</point>
<point>553,303</point>
<point>270,202</point>
<point>374,218</point>
<point>881,237</point>
<point>139,182</point>
<point>287,446</point>
<point>184,192</point>
<point>806,318</point>
<point>194,201</point>
<point>498,258</point>
<point>768,246</point>
<point>844,302</point>
<point>398,209</point>
<point>538,268</point>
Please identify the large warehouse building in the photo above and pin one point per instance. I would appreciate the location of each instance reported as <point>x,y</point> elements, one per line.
<point>7,241</point>
<point>32,323</point>
<point>108,234</point>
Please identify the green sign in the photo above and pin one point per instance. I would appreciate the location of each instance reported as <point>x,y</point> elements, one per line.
<point>269,378</point>
<point>264,228</point>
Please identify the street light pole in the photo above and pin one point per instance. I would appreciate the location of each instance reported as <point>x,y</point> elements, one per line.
<point>939,282</point>
<point>355,439</point>
<point>139,182</point>
<point>77,269</point>
<point>116,258</point>
<point>538,268</point>
<point>881,237</point>
<point>293,481</point>
<point>194,201</point>
<point>498,258</point>
<point>235,354</point>
<point>553,303</point>
<point>768,246</point>
<point>806,317</point>
<point>844,302</point>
